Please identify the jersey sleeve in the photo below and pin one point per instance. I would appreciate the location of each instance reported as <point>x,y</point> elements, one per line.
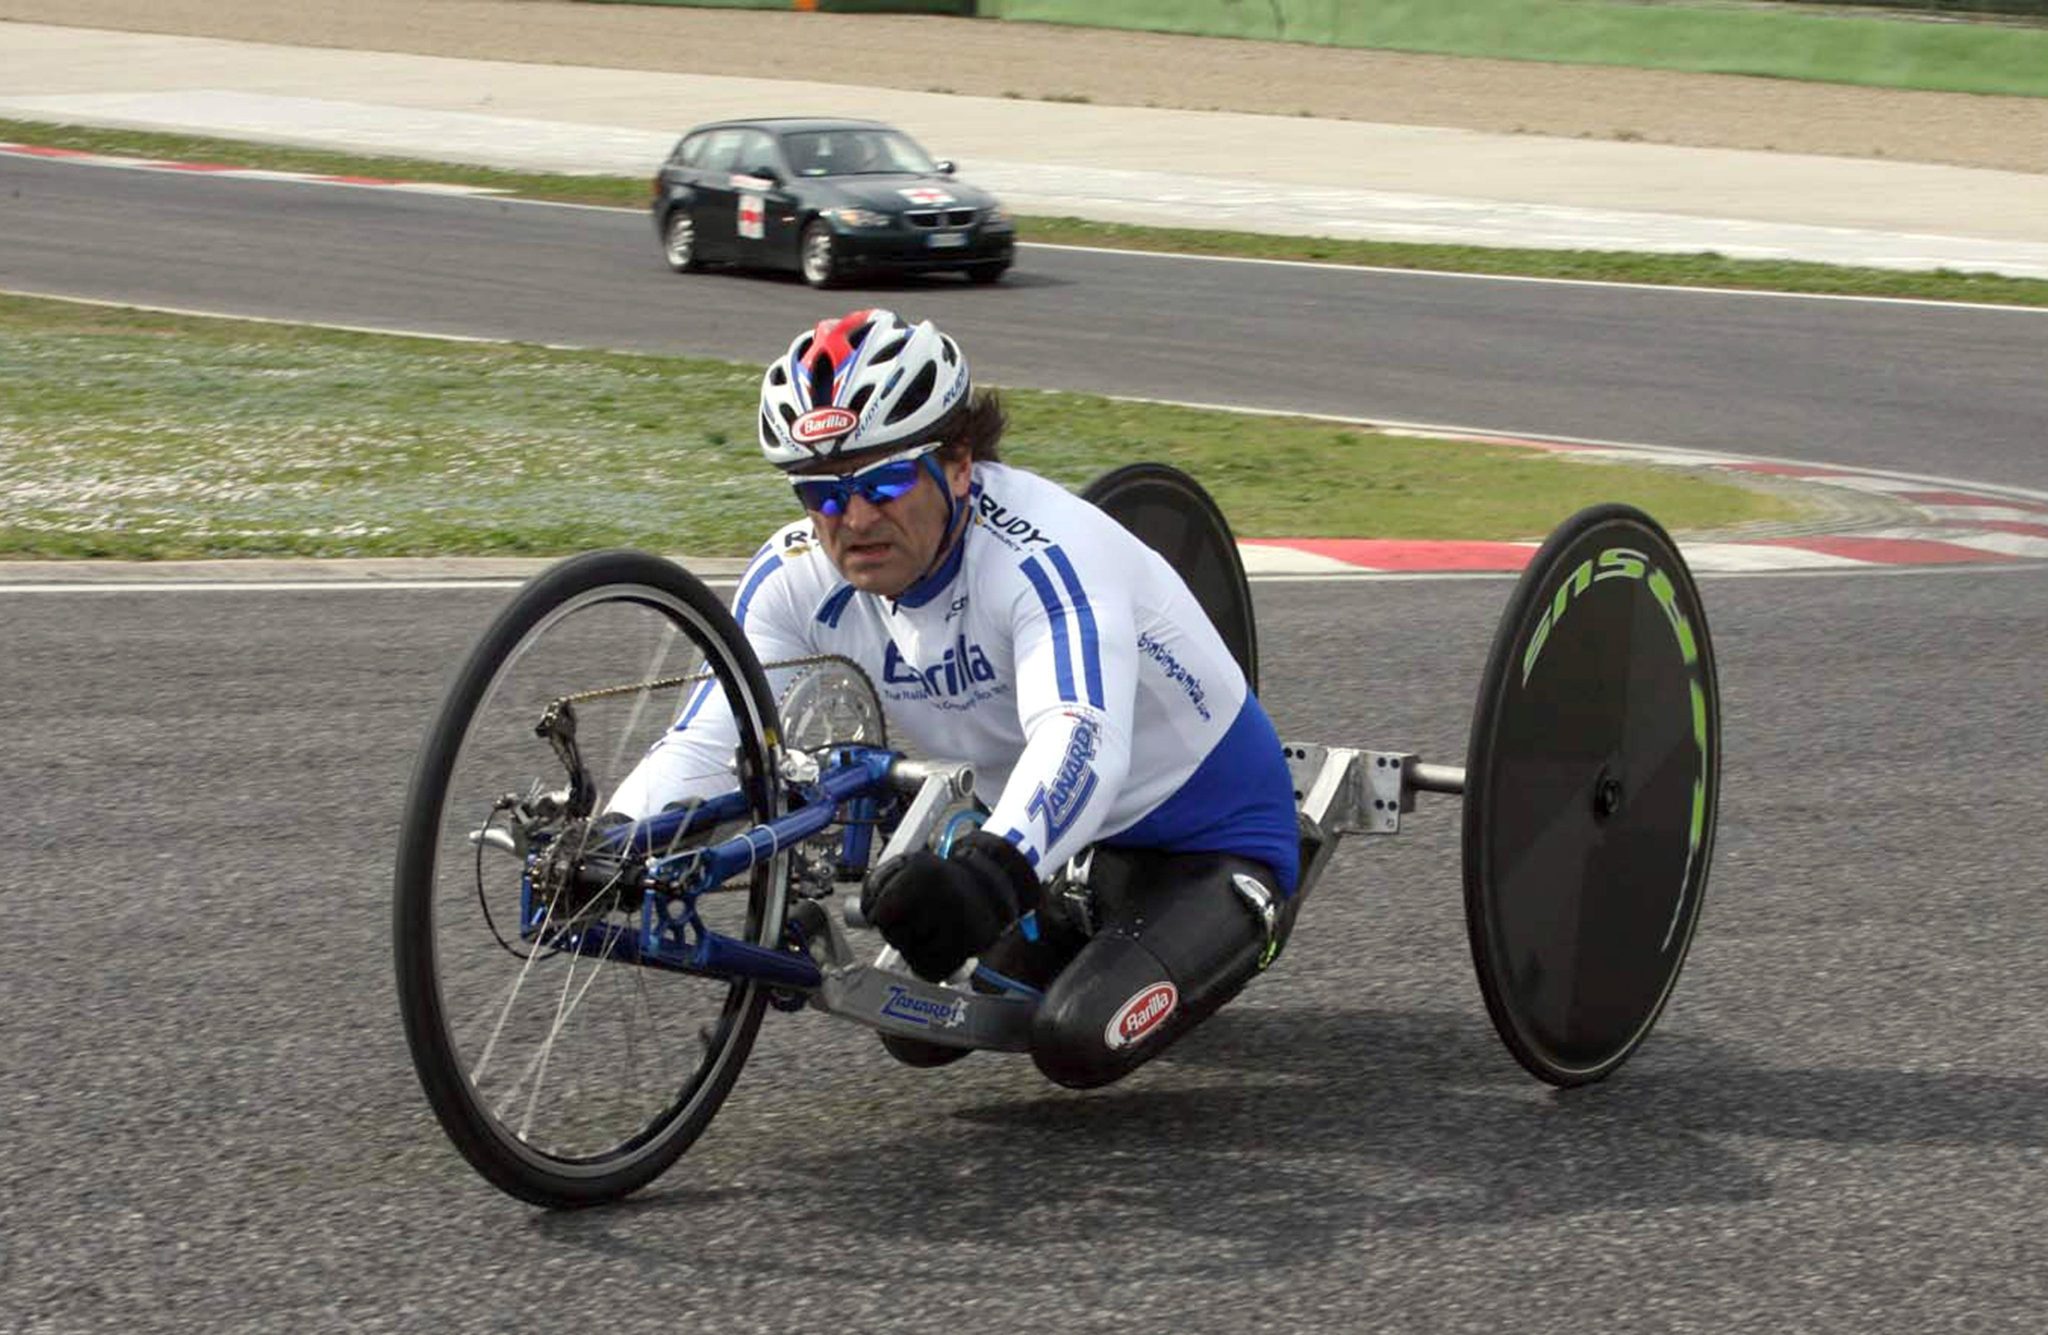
<point>1077,684</point>
<point>694,758</point>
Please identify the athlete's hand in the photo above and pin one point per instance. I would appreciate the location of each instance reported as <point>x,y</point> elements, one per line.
<point>939,911</point>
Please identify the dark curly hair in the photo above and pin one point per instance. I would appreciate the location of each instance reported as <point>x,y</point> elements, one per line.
<point>978,428</point>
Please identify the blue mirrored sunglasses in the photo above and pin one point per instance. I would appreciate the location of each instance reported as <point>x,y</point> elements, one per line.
<point>877,484</point>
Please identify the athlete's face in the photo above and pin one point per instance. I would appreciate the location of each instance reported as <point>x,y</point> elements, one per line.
<point>883,547</point>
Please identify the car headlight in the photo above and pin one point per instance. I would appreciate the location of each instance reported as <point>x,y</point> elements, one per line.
<point>861,217</point>
<point>1000,216</point>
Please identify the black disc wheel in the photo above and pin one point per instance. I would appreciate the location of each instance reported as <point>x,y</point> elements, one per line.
<point>1170,513</point>
<point>566,1075</point>
<point>1591,788</point>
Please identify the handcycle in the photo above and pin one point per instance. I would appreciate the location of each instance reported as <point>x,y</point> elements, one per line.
<point>579,993</point>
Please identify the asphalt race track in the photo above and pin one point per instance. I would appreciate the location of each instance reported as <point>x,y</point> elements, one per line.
<point>1918,388</point>
<point>1839,1126</point>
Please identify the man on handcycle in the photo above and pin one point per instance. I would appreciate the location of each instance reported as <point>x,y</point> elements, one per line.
<point>1144,841</point>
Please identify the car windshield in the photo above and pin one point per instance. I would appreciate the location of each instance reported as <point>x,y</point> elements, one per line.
<point>854,153</point>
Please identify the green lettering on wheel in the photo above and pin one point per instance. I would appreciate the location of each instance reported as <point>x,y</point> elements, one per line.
<point>1627,563</point>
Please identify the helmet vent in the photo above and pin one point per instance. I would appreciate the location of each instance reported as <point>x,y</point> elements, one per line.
<point>915,394</point>
<point>821,381</point>
<point>860,399</point>
<point>950,351</point>
<point>888,353</point>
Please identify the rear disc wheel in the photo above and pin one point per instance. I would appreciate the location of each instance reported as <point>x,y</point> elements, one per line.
<point>1591,789</point>
<point>1169,512</point>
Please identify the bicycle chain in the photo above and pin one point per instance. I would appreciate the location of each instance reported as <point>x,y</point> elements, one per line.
<point>664,683</point>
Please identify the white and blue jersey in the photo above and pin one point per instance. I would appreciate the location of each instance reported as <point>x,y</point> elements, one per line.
<point>1056,653</point>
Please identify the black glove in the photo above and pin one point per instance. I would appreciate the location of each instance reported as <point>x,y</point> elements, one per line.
<point>938,911</point>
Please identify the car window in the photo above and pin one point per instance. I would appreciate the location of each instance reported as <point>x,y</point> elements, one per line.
<point>721,150</point>
<point>757,154</point>
<point>688,151</point>
<point>854,152</point>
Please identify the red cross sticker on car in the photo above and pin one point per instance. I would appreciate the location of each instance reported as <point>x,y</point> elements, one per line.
<point>925,194</point>
<point>752,217</point>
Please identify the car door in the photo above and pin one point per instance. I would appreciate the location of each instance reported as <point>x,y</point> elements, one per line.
<point>764,215</point>
<point>713,199</point>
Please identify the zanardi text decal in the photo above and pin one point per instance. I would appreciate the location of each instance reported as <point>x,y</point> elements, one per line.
<point>1141,1015</point>
<point>904,1004</point>
<point>1072,786</point>
<point>821,424</point>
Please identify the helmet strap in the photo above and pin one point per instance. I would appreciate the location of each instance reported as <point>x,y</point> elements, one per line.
<point>956,533</point>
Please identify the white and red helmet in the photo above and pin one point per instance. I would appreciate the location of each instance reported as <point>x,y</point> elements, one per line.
<point>858,383</point>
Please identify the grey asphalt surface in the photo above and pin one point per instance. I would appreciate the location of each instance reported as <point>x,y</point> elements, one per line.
<point>1838,1127</point>
<point>1919,388</point>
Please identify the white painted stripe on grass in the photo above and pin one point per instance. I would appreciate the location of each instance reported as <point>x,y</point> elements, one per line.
<point>189,169</point>
<point>1565,282</point>
<point>277,320</point>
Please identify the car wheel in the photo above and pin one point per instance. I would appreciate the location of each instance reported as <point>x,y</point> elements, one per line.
<point>987,273</point>
<point>679,241</point>
<point>820,267</point>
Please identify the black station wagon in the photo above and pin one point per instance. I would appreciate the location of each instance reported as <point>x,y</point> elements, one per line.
<point>828,198</point>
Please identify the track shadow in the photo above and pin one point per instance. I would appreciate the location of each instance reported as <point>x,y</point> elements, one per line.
<point>913,282</point>
<point>1285,1136</point>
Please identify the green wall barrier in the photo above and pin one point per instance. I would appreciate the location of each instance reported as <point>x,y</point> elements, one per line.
<point>1836,48</point>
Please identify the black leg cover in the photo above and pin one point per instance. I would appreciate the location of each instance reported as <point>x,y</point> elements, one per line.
<point>1176,939</point>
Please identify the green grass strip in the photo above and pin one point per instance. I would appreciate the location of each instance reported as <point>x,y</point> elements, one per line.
<point>1704,269</point>
<point>136,434</point>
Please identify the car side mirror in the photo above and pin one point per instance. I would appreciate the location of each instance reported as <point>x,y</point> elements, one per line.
<point>945,166</point>
<point>768,174</point>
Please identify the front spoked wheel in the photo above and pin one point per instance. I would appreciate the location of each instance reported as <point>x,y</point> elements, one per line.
<point>566,1075</point>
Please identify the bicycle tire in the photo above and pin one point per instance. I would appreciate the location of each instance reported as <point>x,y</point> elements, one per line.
<point>1172,514</point>
<point>600,585</point>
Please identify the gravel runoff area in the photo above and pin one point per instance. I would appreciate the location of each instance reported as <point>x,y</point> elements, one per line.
<point>967,56</point>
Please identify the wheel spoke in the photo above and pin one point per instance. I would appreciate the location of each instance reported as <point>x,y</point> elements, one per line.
<point>577,1087</point>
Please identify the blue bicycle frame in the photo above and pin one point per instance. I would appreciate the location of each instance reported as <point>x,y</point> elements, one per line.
<point>670,934</point>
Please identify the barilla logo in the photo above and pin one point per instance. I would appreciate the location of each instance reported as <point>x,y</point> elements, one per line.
<point>963,666</point>
<point>1141,1015</point>
<point>821,424</point>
